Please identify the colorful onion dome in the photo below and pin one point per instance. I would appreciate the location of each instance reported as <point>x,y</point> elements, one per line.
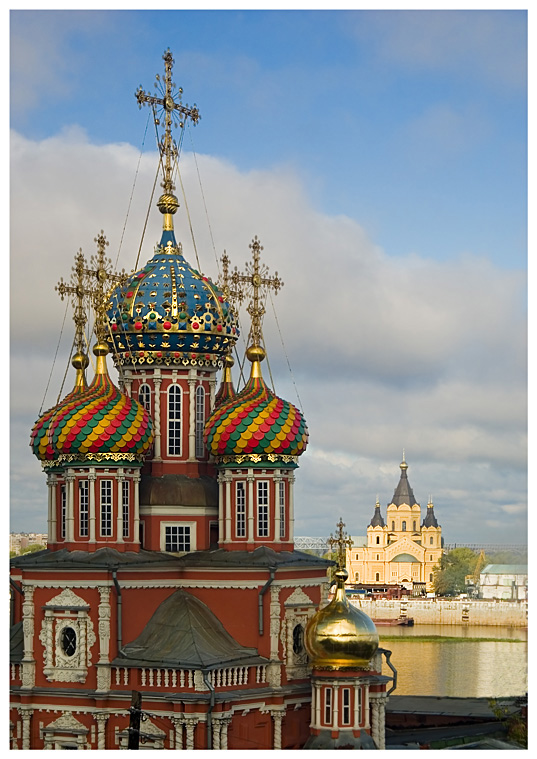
<point>168,313</point>
<point>256,424</point>
<point>340,635</point>
<point>98,424</point>
<point>39,440</point>
<point>226,391</point>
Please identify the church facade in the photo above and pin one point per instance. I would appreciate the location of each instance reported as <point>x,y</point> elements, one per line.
<point>402,549</point>
<point>170,570</point>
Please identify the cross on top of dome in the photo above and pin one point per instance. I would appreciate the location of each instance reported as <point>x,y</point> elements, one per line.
<point>341,540</point>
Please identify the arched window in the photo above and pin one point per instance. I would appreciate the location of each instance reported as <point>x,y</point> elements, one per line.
<point>240,510</point>
<point>174,420</point>
<point>356,576</point>
<point>378,539</point>
<point>106,508</point>
<point>393,526</point>
<point>431,540</point>
<point>83,508</point>
<point>144,397</point>
<point>298,639</point>
<point>414,526</point>
<point>404,526</point>
<point>68,641</point>
<point>377,577</point>
<point>200,421</point>
<point>262,509</point>
<point>431,577</point>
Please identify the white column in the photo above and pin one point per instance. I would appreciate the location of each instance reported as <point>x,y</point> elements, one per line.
<point>101,720</point>
<point>382,722</point>
<point>291,508</point>
<point>192,414</point>
<point>156,419</point>
<point>212,390</point>
<point>250,480</point>
<point>335,720</point>
<point>217,729</point>
<point>136,504</point>
<point>317,706</point>
<point>26,715</point>
<point>52,520</point>
<point>28,661</point>
<point>91,483</point>
<point>178,725</point>
<point>277,479</point>
<point>375,721</point>
<point>190,723</point>
<point>119,521</point>
<point>356,707</point>
<point>277,716</point>
<point>223,735</point>
<point>228,526</point>
<point>70,527</point>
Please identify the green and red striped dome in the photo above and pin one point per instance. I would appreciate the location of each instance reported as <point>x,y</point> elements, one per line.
<point>100,423</point>
<point>256,423</point>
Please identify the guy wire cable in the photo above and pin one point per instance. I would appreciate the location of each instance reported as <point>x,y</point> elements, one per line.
<point>55,356</point>
<point>285,353</point>
<point>204,203</point>
<point>176,167</point>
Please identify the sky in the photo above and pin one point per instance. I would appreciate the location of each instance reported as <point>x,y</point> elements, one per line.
<point>381,158</point>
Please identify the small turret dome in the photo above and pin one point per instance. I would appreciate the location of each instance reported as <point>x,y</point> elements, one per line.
<point>98,423</point>
<point>340,635</point>
<point>256,422</point>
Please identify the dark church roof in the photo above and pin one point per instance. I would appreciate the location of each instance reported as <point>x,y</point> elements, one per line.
<point>377,520</point>
<point>403,492</point>
<point>430,519</point>
<point>183,633</point>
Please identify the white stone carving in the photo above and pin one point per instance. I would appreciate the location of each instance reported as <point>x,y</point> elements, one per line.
<point>299,598</point>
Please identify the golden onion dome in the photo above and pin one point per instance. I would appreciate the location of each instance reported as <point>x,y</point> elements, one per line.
<point>341,636</point>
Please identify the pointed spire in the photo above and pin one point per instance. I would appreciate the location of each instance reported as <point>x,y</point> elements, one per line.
<point>430,519</point>
<point>226,391</point>
<point>377,520</point>
<point>403,492</point>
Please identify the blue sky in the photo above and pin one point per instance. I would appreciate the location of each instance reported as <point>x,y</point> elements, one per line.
<point>381,156</point>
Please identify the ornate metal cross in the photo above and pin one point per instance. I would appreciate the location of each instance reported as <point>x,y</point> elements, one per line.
<point>342,541</point>
<point>79,288</point>
<point>174,112</point>
<point>105,280</point>
<point>256,279</point>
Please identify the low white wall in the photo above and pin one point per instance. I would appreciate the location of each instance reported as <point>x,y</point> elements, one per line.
<point>449,612</point>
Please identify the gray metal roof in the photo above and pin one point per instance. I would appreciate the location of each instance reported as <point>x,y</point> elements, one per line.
<point>505,569</point>
<point>403,492</point>
<point>184,633</point>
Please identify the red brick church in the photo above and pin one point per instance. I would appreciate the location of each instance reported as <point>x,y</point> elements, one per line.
<point>170,568</point>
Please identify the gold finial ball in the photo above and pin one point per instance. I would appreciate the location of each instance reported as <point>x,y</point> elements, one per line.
<point>100,349</point>
<point>255,353</point>
<point>80,361</point>
<point>167,203</point>
<point>229,360</point>
<point>340,636</point>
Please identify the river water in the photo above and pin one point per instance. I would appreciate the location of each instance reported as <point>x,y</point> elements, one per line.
<point>493,668</point>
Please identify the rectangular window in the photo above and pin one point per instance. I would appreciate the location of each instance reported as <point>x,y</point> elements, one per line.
<point>328,706</point>
<point>106,508</point>
<point>200,421</point>
<point>63,510</point>
<point>177,538</point>
<point>174,420</point>
<point>240,510</point>
<point>281,488</point>
<point>360,707</point>
<point>83,507</point>
<point>346,706</point>
<point>125,493</point>
<point>262,509</point>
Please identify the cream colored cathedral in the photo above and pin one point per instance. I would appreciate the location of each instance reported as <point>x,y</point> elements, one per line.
<point>402,550</point>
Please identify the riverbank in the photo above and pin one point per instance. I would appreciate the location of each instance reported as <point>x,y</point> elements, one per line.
<point>444,611</point>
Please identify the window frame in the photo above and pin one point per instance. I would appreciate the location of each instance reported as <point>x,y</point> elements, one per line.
<point>144,396</point>
<point>106,500</point>
<point>174,419</point>
<point>199,423</point>
<point>328,706</point>
<point>282,509</point>
<point>83,508</point>
<point>63,510</point>
<point>240,509</point>
<point>125,508</point>
<point>346,718</point>
<point>262,502</point>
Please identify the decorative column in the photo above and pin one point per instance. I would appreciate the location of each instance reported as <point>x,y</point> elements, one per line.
<point>178,725</point>
<point>156,421</point>
<point>291,481</point>
<point>136,505</point>
<point>91,478</point>
<point>190,723</point>
<point>335,717</point>
<point>192,415</point>
<point>28,661</point>
<point>26,716</point>
<point>228,526</point>
<point>52,520</point>
<point>223,735</point>
<point>217,730</point>
<point>375,722</point>
<point>104,672</point>
<point>382,722</point>
<point>277,716</point>
<point>101,719</point>
<point>250,479</point>
<point>317,706</point>
<point>119,521</point>
<point>70,526</point>
<point>274,621</point>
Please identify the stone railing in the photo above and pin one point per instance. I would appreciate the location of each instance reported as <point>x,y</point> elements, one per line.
<point>159,677</point>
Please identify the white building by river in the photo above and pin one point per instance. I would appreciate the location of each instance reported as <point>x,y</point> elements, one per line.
<point>505,581</point>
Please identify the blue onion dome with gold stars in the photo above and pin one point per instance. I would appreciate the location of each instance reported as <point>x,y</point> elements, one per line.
<point>99,423</point>
<point>340,636</point>
<point>168,313</point>
<point>256,425</point>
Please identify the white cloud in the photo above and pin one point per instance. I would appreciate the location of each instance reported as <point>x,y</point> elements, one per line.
<point>387,352</point>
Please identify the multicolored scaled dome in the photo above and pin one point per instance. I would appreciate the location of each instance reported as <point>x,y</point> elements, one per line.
<point>256,425</point>
<point>168,313</point>
<point>98,424</point>
<point>226,391</point>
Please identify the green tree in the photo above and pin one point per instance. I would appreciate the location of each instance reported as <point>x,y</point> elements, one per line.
<point>449,575</point>
<point>32,548</point>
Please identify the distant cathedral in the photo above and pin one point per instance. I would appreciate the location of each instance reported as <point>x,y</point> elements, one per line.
<point>402,550</point>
